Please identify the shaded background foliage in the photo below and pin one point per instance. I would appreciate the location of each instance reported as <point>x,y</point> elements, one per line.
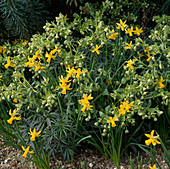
<point>23,18</point>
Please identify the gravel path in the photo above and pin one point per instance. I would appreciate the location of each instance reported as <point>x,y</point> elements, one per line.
<point>12,159</point>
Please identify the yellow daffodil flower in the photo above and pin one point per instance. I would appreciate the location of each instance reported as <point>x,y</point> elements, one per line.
<point>160,83</point>
<point>152,139</point>
<point>23,42</point>
<point>130,62</point>
<point>85,106</point>
<point>140,55</point>
<point>129,46</point>
<point>63,84</point>
<point>34,134</point>
<point>26,151</point>
<point>71,71</point>
<point>31,62</point>
<point>149,57</point>
<point>96,49</point>
<point>154,167</point>
<point>66,19</point>
<point>112,120</point>
<point>125,106</point>
<point>121,25</point>
<point>9,63</point>
<point>37,55</point>
<point>130,31</point>
<point>78,72</point>
<point>55,50</point>
<point>2,50</point>
<point>85,102</point>
<point>15,100</point>
<point>86,99</point>
<point>113,35</point>
<point>37,67</point>
<point>138,31</point>
<point>50,56</point>
<point>147,49</point>
<point>13,116</point>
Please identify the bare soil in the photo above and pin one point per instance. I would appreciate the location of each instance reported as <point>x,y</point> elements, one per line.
<point>85,159</point>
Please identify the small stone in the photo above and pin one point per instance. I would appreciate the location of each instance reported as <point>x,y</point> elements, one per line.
<point>90,165</point>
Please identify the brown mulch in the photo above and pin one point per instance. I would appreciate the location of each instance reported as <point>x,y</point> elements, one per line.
<point>87,159</point>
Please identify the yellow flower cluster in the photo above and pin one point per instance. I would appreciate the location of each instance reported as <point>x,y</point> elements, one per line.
<point>32,133</point>
<point>33,62</point>
<point>15,100</point>
<point>70,72</point>
<point>85,102</point>
<point>131,31</point>
<point>122,25</point>
<point>113,35</point>
<point>124,107</point>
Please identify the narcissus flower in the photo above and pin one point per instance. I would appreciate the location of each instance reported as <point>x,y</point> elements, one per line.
<point>50,56</point>
<point>56,50</point>
<point>129,46</point>
<point>138,31</point>
<point>38,66</point>
<point>113,35</point>
<point>78,72</point>
<point>26,151</point>
<point>9,63</point>
<point>63,84</point>
<point>2,50</point>
<point>86,98</point>
<point>149,57</point>
<point>130,31</point>
<point>70,71</point>
<point>66,19</point>
<point>147,49</point>
<point>23,42</point>
<point>152,139</point>
<point>160,82</point>
<point>140,54</point>
<point>154,167</point>
<point>112,120</point>
<point>125,106</point>
<point>85,102</point>
<point>31,62</point>
<point>121,25</point>
<point>15,100</point>
<point>34,134</point>
<point>96,49</point>
<point>13,116</point>
<point>130,62</point>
